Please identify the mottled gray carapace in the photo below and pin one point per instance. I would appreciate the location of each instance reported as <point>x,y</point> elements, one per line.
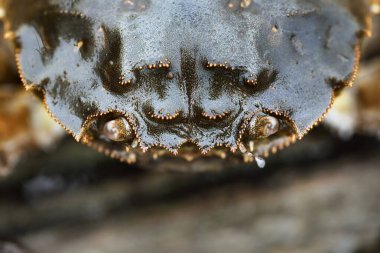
<point>189,77</point>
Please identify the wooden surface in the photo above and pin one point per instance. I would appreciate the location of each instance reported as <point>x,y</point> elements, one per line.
<point>311,203</point>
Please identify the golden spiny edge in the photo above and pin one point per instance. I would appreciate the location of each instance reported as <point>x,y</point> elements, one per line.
<point>348,82</point>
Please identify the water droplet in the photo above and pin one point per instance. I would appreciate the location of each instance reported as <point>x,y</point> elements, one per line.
<point>260,162</point>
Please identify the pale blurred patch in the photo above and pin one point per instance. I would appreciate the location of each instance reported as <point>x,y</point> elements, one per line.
<point>24,127</point>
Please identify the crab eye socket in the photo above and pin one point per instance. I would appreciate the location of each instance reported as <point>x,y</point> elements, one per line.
<point>264,126</point>
<point>118,130</point>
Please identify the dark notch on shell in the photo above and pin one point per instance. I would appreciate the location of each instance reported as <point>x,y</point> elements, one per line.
<point>109,66</point>
<point>54,26</point>
<point>263,81</point>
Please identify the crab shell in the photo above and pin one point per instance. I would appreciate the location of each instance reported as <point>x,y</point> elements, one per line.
<point>188,76</point>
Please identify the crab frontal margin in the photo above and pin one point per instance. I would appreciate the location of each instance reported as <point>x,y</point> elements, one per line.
<point>189,78</point>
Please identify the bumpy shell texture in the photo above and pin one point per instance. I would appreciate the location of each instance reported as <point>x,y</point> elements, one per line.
<point>187,73</point>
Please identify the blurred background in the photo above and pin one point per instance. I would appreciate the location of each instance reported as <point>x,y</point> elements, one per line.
<point>321,195</point>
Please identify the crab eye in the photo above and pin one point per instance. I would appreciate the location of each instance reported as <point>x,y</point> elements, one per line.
<point>263,126</point>
<point>118,130</point>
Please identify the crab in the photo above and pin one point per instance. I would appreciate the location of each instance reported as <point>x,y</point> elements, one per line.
<point>148,80</point>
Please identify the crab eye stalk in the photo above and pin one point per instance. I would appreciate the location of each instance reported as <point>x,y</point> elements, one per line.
<point>264,126</point>
<point>118,130</point>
